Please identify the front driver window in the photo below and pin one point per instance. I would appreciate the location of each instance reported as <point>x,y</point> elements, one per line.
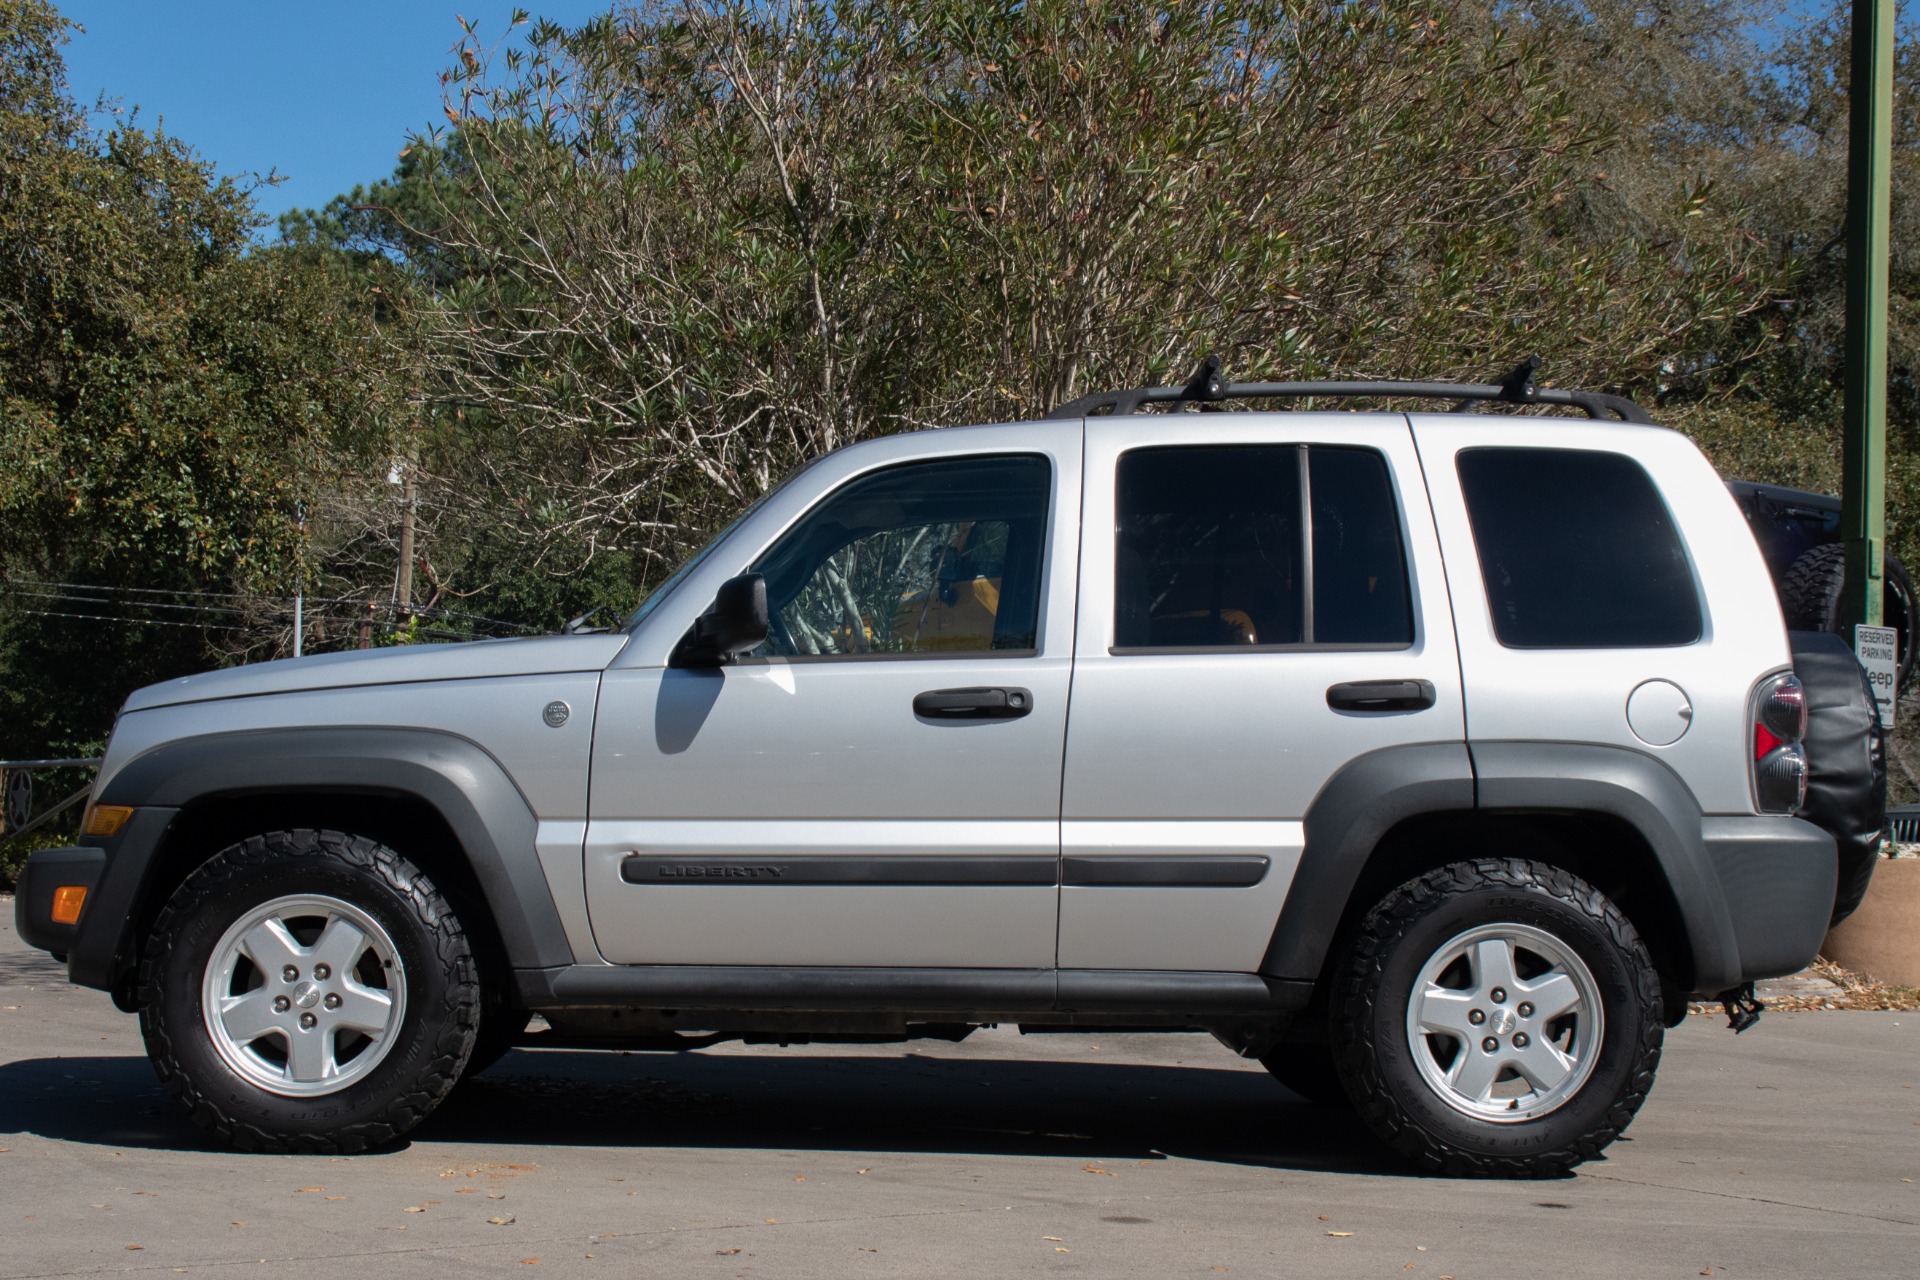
<point>930,558</point>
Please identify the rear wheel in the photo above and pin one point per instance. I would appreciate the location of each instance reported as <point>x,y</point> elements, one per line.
<point>308,991</point>
<point>1497,1018</point>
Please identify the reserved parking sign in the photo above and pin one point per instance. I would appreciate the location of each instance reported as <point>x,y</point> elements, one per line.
<point>1878,649</point>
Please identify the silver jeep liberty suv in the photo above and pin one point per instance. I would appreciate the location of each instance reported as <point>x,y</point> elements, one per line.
<point>1435,760</point>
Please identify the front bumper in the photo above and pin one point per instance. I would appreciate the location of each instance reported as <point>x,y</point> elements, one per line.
<point>47,871</point>
<point>98,948</point>
<point>1778,876</point>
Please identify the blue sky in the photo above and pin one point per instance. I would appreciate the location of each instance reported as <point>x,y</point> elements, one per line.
<point>324,93</point>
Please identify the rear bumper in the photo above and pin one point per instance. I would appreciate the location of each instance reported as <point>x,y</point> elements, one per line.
<point>1778,877</point>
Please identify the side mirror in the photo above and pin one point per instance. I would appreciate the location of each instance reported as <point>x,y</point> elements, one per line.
<point>736,623</point>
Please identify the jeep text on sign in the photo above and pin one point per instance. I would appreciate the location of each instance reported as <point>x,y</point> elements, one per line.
<point>1878,649</point>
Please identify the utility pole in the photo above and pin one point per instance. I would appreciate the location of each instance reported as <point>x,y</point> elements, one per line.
<point>1863,519</point>
<point>300,586</point>
<point>403,580</point>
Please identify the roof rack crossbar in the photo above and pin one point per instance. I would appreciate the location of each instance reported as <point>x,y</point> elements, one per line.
<point>1207,388</point>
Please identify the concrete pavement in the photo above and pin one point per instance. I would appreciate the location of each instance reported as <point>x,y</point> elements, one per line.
<point>1790,1151</point>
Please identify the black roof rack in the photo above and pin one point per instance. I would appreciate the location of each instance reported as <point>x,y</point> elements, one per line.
<point>1207,388</point>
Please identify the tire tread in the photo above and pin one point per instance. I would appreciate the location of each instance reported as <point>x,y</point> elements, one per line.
<point>432,1082</point>
<point>1357,983</point>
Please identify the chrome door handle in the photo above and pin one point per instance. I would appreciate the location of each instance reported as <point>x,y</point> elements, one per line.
<point>973,704</point>
<point>1381,695</point>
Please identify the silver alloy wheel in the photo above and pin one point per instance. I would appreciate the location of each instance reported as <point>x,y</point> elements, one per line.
<point>1498,1046</point>
<point>304,995</point>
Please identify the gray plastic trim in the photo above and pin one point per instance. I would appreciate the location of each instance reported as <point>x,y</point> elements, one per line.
<point>665,869</point>
<point>738,987</point>
<point>1779,876</point>
<point>1132,871</point>
<point>457,777</point>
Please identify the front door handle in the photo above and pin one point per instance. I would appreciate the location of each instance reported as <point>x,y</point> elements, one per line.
<point>973,704</point>
<point>1381,695</point>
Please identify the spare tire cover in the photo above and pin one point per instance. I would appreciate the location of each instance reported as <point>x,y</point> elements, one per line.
<point>1846,759</point>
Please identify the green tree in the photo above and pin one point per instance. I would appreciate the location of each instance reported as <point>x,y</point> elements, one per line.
<point>168,398</point>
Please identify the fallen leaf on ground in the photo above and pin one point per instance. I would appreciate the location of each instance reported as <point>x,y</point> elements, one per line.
<point>336,1197</point>
<point>1059,1249</point>
<point>529,1262</point>
<point>869,1169</point>
<point>1339,1233</point>
<point>1053,1237</point>
<point>801,1178</point>
<point>133,1246</point>
<point>1322,1217</point>
<point>501,1222</point>
<point>416,1208</point>
<point>496,1195</point>
<point>1096,1169</point>
<point>466,1191</point>
<point>304,1190</point>
<point>238,1223</point>
<point>774,1220</point>
<point>726,1253</point>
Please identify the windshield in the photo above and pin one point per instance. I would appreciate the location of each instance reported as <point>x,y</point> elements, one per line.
<point>655,598</point>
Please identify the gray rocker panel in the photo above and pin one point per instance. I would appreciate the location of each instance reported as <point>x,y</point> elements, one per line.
<point>457,777</point>
<point>821,988</point>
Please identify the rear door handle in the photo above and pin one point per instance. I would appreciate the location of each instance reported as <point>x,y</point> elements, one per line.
<point>973,704</point>
<point>1381,695</point>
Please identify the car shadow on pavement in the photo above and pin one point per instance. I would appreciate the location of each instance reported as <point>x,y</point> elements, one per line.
<point>904,1102</point>
<point>1105,1111</point>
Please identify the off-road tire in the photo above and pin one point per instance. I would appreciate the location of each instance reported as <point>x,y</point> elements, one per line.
<point>1309,1070</point>
<point>435,1035</point>
<point>1810,597</point>
<point>1373,985</point>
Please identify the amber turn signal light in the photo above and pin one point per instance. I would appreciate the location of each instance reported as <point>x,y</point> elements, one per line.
<point>67,901</point>
<point>106,819</point>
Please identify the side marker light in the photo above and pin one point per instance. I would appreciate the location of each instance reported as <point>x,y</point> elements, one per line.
<point>106,819</point>
<point>67,901</point>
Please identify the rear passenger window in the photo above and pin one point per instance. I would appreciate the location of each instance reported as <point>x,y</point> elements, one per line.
<point>1578,551</point>
<point>1212,547</point>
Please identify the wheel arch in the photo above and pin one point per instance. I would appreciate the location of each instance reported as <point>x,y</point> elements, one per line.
<point>1618,819</point>
<point>440,799</point>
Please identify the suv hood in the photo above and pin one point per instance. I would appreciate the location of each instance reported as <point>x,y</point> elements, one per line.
<point>541,655</point>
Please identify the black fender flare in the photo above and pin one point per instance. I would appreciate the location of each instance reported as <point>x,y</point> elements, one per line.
<point>458,778</point>
<point>1373,793</point>
<point>1358,805</point>
<point>1646,795</point>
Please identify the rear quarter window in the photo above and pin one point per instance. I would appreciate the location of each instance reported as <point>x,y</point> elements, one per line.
<point>1577,550</point>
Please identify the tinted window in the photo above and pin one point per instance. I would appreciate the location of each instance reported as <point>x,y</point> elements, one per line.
<point>1359,568</point>
<point>1211,544</point>
<point>937,557</point>
<point>1577,550</point>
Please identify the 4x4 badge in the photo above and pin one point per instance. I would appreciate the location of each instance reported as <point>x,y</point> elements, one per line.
<point>556,714</point>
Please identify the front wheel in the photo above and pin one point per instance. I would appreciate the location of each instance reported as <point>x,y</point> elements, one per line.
<point>308,991</point>
<point>1497,1018</point>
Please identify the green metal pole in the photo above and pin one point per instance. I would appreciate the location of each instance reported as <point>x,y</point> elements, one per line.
<point>1863,494</point>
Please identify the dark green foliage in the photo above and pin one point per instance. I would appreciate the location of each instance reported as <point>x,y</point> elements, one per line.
<point>167,399</point>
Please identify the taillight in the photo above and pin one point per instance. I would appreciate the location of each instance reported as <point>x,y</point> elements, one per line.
<point>1779,759</point>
